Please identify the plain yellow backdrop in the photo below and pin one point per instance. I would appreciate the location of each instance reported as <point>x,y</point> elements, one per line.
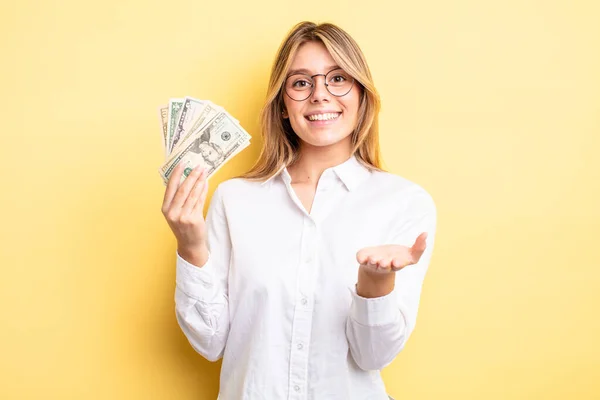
<point>493,107</point>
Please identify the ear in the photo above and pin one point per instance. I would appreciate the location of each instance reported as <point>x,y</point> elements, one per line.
<point>284,114</point>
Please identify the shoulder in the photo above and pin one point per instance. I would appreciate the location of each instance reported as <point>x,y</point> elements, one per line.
<point>411,196</point>
<point>234,185</point>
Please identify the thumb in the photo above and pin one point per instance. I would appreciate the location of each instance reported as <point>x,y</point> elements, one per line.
<point>419,247</point>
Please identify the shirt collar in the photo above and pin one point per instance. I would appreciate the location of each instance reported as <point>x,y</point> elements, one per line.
<point>351,172</point>
<point>270,179</point>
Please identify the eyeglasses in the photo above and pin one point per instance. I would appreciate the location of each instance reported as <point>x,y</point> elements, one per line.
<point>300,87</point>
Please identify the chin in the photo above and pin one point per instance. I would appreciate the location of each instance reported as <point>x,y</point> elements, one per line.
<point>324,140</point>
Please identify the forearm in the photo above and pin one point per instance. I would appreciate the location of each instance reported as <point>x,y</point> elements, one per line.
<point>202,307</point>
<point>375,329</point>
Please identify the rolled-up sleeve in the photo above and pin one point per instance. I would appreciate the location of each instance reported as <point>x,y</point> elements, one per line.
<point>378,328</point>
<point>201,293</point>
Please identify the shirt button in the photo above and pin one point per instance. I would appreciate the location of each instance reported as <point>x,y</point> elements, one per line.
<point>303,301</point>
<point>297,388</point>
<point>308,259</point>
<point>300,346</point>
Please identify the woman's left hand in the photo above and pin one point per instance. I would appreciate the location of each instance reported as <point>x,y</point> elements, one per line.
<point>392,257</point>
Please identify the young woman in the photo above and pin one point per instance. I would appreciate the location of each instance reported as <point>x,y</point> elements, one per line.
<point>306,275</point>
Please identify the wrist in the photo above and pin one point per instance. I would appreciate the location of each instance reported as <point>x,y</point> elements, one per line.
<point>197,255</point>
<point>374,284</point>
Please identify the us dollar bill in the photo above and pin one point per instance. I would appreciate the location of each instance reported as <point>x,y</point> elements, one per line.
<point>163,112</point>
<point>197,113</point>
<point>190,111</point>
<point>204,117</point>
<point>172,118</point>
<point>211,147</point>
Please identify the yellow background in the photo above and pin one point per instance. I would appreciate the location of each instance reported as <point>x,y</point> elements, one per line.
<point>493,107</point>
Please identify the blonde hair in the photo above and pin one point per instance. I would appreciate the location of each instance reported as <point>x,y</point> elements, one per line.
<point>280,144</point>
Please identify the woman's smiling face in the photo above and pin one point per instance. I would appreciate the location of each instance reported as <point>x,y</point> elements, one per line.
<point>322,119</point>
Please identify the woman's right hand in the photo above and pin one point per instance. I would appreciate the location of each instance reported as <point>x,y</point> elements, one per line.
<point>183,208</point>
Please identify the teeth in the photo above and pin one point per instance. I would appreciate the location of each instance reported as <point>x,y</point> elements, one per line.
<point>323,117</point>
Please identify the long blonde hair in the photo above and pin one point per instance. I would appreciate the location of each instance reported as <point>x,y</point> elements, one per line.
<point>280,144</point>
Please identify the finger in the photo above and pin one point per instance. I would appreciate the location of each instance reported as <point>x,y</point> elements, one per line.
<point>373,260</point>
<point>397,264</point>
<point>420,241</point>
<point>172,185</point>
<point>385,263</point>
<point>362,257</point>
<point>369,266</point>
<point>418,247</point>
<point>194,194</point>
<point>186,187</point>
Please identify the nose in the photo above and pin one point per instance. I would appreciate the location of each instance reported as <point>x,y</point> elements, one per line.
<point>320,92</point>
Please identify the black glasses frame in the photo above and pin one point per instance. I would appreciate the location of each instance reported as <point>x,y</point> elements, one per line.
<point>314,83</point>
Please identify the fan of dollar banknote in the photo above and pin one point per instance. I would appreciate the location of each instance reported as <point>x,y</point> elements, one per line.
<point>198,132</point>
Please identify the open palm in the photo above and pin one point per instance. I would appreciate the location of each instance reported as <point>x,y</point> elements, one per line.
<point>391,257</point>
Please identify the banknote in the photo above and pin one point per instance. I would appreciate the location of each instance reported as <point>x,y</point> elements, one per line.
<point>190,112</point>
<point>220,139</point>
<point>173,117</point>
<point>163,112</point>
<point>195,114</point>
<point>190,167</point>
<point>200,117</point>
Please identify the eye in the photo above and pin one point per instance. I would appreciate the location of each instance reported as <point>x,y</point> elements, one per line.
<point>301,83</point>
<point>339,78</point>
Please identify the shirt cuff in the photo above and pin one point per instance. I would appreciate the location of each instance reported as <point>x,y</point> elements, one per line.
<point>196,282</point>
<point>376,311</point>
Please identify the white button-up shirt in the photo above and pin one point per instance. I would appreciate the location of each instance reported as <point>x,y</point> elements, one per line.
<point>277,299</point>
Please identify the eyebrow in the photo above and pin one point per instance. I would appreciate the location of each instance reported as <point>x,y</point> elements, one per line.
<point>308,72</point>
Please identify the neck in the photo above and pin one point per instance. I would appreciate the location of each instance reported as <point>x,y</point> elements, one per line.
<point>314,160</point>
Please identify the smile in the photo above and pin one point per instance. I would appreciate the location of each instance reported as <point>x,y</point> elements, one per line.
<point>323,117</point>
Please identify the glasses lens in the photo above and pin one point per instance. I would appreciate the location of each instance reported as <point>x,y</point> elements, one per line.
<point>339,82</point>
<point>298,86</point>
